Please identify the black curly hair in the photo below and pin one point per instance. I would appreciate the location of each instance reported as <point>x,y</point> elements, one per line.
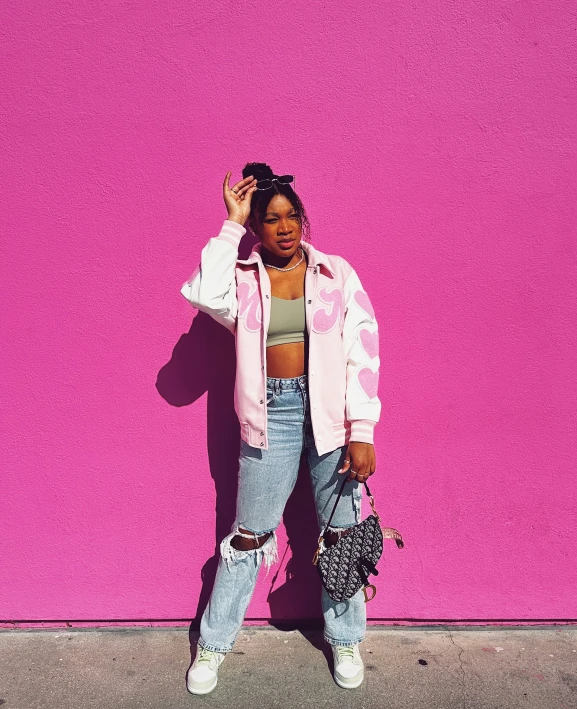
<point>261,198</point>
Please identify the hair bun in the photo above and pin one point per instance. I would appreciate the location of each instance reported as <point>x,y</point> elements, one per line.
<point>259,170</point>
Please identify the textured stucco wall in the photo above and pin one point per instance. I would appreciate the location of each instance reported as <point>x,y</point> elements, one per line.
<point>434,147</point>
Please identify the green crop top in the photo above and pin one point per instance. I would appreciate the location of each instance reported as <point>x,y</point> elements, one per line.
<point>287,321</point>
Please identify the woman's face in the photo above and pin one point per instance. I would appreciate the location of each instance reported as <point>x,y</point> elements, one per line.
<point>281,224</point>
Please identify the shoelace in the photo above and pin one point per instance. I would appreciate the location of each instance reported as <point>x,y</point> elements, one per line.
<point>206,656</point>
<point>345,653</point>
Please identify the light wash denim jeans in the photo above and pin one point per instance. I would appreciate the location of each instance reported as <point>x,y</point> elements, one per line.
<point>266,480</point>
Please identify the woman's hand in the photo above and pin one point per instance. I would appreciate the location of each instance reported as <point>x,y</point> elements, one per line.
<point>360,461</point>
<point>238,198</point>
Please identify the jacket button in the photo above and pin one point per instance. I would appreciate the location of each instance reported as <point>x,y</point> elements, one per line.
<point>262,433</point>
<point>309,301</point>
<point>262,401</point>
<point>262,444</point>
<point>314,270</point>
<point>267,296</point>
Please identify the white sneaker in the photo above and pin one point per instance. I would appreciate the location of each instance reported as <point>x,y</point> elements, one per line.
<point>202,675</point>
<point>349,668</point>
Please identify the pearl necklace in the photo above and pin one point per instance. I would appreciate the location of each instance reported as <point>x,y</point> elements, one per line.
<point>269,265</point>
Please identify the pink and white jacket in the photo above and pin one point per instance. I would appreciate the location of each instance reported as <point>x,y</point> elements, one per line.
<point>343,367</point>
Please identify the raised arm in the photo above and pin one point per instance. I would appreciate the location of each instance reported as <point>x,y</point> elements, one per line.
<point>212,288</point>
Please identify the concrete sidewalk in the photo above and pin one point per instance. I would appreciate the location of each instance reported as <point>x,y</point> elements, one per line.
<point>404,668</point>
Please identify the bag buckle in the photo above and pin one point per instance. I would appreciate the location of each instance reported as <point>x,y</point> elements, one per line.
<point>372,503</point>
<point>319,550</point>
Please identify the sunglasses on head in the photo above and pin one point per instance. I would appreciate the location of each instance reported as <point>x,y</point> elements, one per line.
<point>267,184</point>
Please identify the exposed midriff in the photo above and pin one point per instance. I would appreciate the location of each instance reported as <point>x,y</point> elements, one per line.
<point>288,360</point>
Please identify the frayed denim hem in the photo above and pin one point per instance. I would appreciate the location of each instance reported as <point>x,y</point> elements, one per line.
<point>343,643</point>
<point>213,648</point>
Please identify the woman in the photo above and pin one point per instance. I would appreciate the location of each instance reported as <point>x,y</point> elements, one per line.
<point>306,382</point>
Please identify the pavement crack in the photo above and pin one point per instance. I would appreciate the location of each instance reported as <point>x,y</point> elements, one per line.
<point>461,651</point>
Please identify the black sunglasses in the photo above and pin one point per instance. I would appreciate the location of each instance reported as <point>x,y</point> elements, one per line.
<point>267,184</point>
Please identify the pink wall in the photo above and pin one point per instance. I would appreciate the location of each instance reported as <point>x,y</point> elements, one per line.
<point>434,147</point>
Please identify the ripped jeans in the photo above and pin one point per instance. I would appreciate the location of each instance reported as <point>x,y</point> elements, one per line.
<point>266,480</point>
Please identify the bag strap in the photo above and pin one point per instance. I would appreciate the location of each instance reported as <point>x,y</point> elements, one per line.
<point>388,532</point>
<point>328,524</point>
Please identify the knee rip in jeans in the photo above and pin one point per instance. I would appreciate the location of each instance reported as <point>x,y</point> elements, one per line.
<point>241,543</point>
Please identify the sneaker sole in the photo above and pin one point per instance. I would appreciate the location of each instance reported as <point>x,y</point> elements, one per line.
<point>202,689</point>
<point>352,683</point>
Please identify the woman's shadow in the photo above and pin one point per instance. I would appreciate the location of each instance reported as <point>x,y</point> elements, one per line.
<point>204,360</point>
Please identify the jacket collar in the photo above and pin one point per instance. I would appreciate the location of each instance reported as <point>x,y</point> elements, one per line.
<point>315,257</point>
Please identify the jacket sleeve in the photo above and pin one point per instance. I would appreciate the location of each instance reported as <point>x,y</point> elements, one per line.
<point>361,343</point>
<point>212,286</point>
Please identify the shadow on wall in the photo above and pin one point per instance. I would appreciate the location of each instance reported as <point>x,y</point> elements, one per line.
<point>204,360</point>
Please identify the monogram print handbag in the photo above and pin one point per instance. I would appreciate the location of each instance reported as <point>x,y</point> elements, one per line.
<point>344,566</point>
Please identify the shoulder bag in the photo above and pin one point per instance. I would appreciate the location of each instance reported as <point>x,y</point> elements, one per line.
<point>344,566</point>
